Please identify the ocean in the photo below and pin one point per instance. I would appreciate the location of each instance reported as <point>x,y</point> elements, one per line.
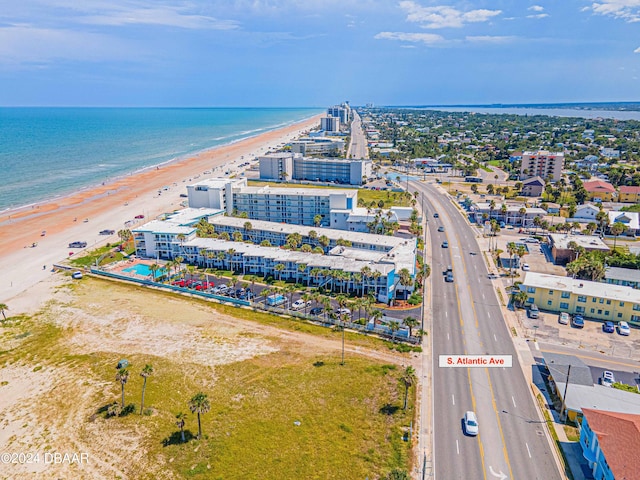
<point>51,152</point>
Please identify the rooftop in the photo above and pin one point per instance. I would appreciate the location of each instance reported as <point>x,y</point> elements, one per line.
<point>307,192</point>
<point>627,274</point>
<point>164,226</point>
<point>590,242</point>
<point>582,287</point>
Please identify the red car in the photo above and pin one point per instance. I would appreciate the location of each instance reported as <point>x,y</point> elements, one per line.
<point>139,217</point>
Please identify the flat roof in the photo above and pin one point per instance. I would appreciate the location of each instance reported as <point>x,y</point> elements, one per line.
<point>581,287</point>
<point>590,242</point>
<point>626,274</point>
<point>308,192</point>
<point>599,397</point>
<point>217,182</point>
<point>189,215</point>
<point>164,226</point>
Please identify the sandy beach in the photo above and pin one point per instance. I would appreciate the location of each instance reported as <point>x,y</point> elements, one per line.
<point>81,216</point>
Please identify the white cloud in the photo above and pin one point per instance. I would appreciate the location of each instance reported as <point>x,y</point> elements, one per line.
<point>443,16</point>
<point>427,38</point>
<point>489,39</point>
<point>628,10</point>
<point>536,8</point>
<point>637,50</point>
<point>538,15</point>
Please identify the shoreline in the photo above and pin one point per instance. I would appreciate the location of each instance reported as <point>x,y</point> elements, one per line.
<point>81,215</point>
<point>10,211</point>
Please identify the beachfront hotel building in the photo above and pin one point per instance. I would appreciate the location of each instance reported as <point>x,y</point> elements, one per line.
<point>330,124</point>
<point>342,111</point>
<point>318,146</point>
<point>594,300</point>
<point>292,166</point>
<point>367,263</point>
<point>547,165</point>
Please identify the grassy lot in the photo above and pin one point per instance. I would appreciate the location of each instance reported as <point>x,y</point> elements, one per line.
<point>351,417</point>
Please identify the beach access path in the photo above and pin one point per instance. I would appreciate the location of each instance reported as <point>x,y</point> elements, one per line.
<point>81,216</point>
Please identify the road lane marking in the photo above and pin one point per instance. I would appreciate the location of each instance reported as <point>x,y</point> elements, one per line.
<point>514,402</point>
<point>448,336</point>
<point>537,346</point>
<point>500,475</point>
<point>528,451</point>
<point>494,337</point>
<point>458,447</point>
<point>453,399</point>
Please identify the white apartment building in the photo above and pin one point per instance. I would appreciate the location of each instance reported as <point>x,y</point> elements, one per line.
<point>214,193</point>
<point>343,112</point>
<point>543,164</point>
<point>318,146</point>
<point>330,124</point>
<point>293,166</point>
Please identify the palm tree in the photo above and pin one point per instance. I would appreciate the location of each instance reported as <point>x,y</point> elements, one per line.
<point>146,372</point>
<point>616,229</point>
<point>180,424</point>
<point>366,273</point>
<point>279,268</point>
<point>411,322</point>
<point>154,268</point>
<point>324,241</point>
<point>317,220</point>
<point>3,307</point>
<point>408,378</point>
<point>199,404</point>
<point>376,275</point>
<point>122,376</point>
<point>394,327</point>
<point>512,249</point>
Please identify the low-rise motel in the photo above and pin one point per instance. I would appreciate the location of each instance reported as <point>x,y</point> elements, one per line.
<point>594,300</point>
<point>366,262</point>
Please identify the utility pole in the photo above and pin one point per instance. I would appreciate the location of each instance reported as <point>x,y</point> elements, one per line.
<point>564,395</point>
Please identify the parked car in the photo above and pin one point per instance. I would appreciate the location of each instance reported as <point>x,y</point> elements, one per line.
<point>124,363</point>
<point>107,232</point>
<point>183,195</point>
<point>342,311</point>
<point>441,228</point>
<point>607,379</point>
<point>445,244</point>
<point>76,275</point>
<point>577,321</point>
<point>608,327</point>
<point>470,422</point>
<point>623,329</point>
<point>139,217</point>
<point>77,244</point>
<point>525,267</point>
<point>316,311</point>
<point>564,318</point>
<point>300,304</point>
<point>493,276</point>
<point>534,311</point>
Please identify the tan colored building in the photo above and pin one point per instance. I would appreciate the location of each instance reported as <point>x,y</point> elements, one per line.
<point>544,164</point>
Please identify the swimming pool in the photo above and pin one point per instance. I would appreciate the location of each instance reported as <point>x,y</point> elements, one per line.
<point>143,270</point>
<point>526,248</point>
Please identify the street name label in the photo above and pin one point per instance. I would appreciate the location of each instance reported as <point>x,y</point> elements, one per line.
<point>467,361</point>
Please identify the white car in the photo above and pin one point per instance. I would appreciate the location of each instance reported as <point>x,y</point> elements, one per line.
<point>607,378</point>
<point>470,423</point>
<point>525,267</point>
<point>343,311</point>
<point>623,329</point>
<point>299,304</point>
<point>564,318</point>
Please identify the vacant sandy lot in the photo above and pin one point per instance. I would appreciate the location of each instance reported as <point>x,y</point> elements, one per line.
<point>57,370</point>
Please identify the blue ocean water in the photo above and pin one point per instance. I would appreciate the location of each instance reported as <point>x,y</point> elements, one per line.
<point>48,152</point>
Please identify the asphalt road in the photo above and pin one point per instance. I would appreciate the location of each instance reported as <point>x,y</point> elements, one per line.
<point>467,319</point>
<point>358,145</point>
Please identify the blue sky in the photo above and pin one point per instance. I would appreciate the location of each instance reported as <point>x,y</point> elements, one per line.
<point>317,52</point>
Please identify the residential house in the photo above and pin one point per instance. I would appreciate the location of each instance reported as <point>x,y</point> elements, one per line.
<point>629,194</point>
<point>622,276</point>
<point>586,213</point>
<point>631,220</point>
<point>601,190</point>
<point>610,442</point>
<point>533,187</point>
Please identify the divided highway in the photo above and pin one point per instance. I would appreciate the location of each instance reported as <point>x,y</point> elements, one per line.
<point>467,319</point>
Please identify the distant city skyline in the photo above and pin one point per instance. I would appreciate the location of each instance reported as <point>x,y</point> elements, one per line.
<point>291,53</point>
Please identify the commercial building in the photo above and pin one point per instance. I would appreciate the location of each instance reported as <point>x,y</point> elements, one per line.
<point>561,251</point>
<point>512,214</point>
<point>543,164</point>
<point>593,300</point>
<point>292,166</point>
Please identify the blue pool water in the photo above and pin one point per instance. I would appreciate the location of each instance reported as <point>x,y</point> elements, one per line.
<point>143,270</point>
<point>526,248</point>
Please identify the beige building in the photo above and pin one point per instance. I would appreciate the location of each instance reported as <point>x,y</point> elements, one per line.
<point>547,165</point>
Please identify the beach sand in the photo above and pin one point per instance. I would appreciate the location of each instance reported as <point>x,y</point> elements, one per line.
<point>108,207</point>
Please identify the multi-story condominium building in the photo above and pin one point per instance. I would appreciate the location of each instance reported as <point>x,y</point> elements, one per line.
<point>629,194</point>
<point>596,300</point>
<point>343,112</point>
<point>318,146</point>
<point>609,442</point>
<point>400,251</point>
<point>291,166</point>
<point>543,164</point>
<point>330,124</point>
<point>214,193</point>
<point>601,190</point>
